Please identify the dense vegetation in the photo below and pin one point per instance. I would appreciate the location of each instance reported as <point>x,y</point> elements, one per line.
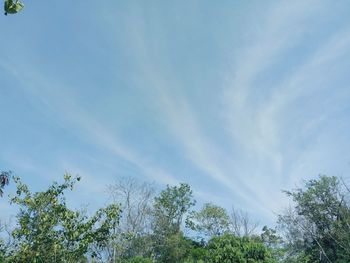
<point>140,226</point>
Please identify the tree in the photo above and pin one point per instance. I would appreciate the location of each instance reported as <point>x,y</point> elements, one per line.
<point>2,247</point>
<point>6,240</point>
<point>318,225</point>
<point>2,251</point>
<point>175,248</point>
<point>241,224</point>
<point>170,208</point>
<point>229,248</point>
<point>12,7</point>
<point>273,241</point>
<point>48,231</point>
<point>138,259</point>
<point>136,201</point>
<point>4,180</point>
<point>133,232</point>
<point>212,220</point>
<point>105,236</point>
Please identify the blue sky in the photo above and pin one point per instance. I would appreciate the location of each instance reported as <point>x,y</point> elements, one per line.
<point>240,99</point>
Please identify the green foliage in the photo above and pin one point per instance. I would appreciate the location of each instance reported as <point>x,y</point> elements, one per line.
<point>138,259</point>
<point>197,252</point>
<point>2,251</point>
<point>298,258</point>
<point>229,248</point>
<point>171,206</point>
<point>273,241</point>
<point>316,229</point>
<point>107,220</point>
<point>318,225</point>
<point>175,248</point>
<point>212,220</point>
<point>169,210</point>
<point>48,231</point>
<point>4,180</point>
<point>12,7</point>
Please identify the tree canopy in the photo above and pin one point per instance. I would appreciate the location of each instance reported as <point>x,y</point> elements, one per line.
<point>142,226</point>
<point>318,225</point>
<point>12,7</point>
<point>4,180</point>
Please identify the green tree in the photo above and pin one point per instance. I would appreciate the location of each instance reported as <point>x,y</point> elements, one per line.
<point>138,259</point>
<point>318,224</point>
<point>212,220</point>
<point>171,206</point>
<point>103,245</point>
<point>229,248</point>
<point>12,7</point>
<point>170,209</point>
<point>175,248</point>
<point>48,231</point>
<point>4,180</point>
<point>272,240</point>
<point>197,252</point>
<point>2,251</point>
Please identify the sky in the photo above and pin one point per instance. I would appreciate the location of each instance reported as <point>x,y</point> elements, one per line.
<point>239,99</point>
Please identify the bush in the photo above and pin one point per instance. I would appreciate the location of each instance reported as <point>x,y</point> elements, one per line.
<point>229,248</point>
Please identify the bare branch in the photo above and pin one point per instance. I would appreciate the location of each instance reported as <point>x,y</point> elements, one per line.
<point>241,224</point>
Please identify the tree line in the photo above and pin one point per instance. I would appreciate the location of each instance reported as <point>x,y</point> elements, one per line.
<point>143,226</point>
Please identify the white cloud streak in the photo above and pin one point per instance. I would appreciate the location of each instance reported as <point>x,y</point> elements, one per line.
<point>258,134</point>
<point>181,120</point>
<point>63,107</point>
<point>257,127</point>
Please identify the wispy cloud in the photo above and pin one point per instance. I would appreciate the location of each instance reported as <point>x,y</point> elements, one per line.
<point>58,104</point>
<point>281,29</point>
<point>279,70</point>
<point>255,117</point>
<point>182,122</point>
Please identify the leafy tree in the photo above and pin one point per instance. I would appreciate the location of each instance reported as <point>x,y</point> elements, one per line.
<point>315,229</point>
<point>138,259</point>
<point>48,231</point>
<point>105,236</point>
<point>197,252</point>
<point>170,208</point>
<point>229,248</point>
<point>272,240</point>
<point>4,180</point>
<point>318,226</point>
<point>2,251</point>
<point>212,220</point>
<point>175,248</point>
<point>12,7</point>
